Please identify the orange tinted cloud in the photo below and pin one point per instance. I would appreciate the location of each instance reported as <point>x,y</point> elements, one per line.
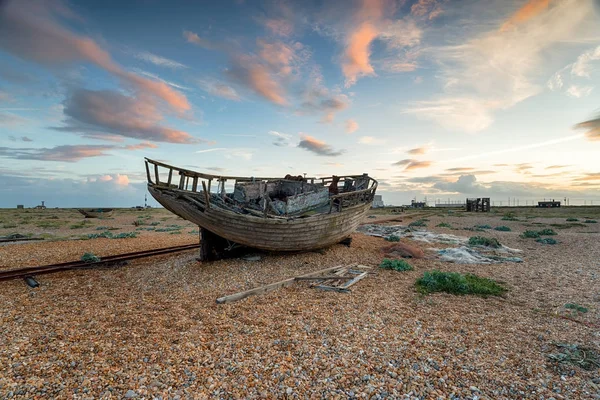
<point>141,146</point>
<point>264,84</point>
<point>531,9</point>
<point>259,77</point>
<point>39,37</point>
<point>66,153</point>
<point>110,112</point>
<point>418,150</point>
<point>364,30</point>
<point>411,164</point>
<point>427,8</point>
<point>317,146</point>
<point>358,52</point>
<point>281,27</point>
<point>351,126</point>
<point>593,128</point>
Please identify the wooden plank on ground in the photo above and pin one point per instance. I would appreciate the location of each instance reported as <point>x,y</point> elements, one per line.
<point>353,281</point>
<point>273,286</point>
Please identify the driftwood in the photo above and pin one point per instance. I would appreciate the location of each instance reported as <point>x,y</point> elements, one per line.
<point>272,286</point>
<point>339,274</point>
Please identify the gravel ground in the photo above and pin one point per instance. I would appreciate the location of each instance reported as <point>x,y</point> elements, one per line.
<point>152,329</point>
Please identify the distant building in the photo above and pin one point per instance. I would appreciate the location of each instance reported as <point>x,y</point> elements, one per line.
<point>20,206</point>
<point>418,204</point>
<point>548,204</point>
<point>377,201</point>
<point>480,204</point>
<point>41,206</point>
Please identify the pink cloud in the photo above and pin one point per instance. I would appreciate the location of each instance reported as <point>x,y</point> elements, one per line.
<point>411,164</point>
<point>418,150</point>
<point>280,27</point>
<point>366,26</point>
<point>257,76</point>
<point>593,128</point>
<point>30,31</point>
<point>105,178</point>
<point>351,126</point>
<point>110,112</point>
<point>529,10</point>
<point>430,9</point>
<point>141,146</point>
<point>317,146</point>
<point>356,62</point>
<point>193,38</point>
<point>67,153</point>
<point>122,180</point>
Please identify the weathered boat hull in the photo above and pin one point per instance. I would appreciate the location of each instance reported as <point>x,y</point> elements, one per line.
<point>298,234</point>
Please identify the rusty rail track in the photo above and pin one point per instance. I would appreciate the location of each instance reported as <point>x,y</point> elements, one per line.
<point>21,273</point>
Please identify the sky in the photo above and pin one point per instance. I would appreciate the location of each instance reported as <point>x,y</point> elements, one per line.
<point>436,99</point>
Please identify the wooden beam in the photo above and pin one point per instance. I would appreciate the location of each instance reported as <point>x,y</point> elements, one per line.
<point>206,195</point>
<point>353,281</point>
<point>273,286</point>
<point>156,174</point>
<point>148,172</point>
<point>170,176</point>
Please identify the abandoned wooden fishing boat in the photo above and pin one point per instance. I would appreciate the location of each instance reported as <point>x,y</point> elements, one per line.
<point>96,212</point>
<point>276,214</point>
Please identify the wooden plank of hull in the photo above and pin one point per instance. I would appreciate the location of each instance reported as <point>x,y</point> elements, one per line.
<point>309,233</point>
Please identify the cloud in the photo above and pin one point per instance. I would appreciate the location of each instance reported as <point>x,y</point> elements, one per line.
<point>158,78</point>
<point>237,152</point>
<point>426,179</point>
<point>557,166</point>
<point>107,111</point>
<point>530,9</point>
<point>572,74</point>
<point>319,100</point>
<point>356,57</point>
<point>141,146</point>
<point>459,169</point>
<point>67,153</point>
<point>579,91</point>
<point>250,72</point>
<point>30,30</point>
<point>317,146</point>
<point>418,150</point>
<point>429,9</point>
<point>581,67</point>
<point>351,126</point>
<point>497,69</point>
<point>459,114</point>
<point>464,184</point>
<point>158,60</point>
<point>193,38</point>
<point>281,139</point>
<point>589,177</point>
<point>280,26</point>
<point>122,180</point>
<point>10,75</point>
<point>411,164</point>
<point>592,127</point>
<point>370,140</point>
<point>7,118</point>
<point>218,88</point>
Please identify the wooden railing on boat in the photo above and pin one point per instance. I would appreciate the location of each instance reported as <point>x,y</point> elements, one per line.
<point>337,202</point>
